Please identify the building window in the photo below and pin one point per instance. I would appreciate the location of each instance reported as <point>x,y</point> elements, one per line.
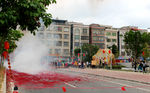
<point>49,43</point>
<point>101,39</point>
<point>41,35</point>
<point>58,36</point>
<point>108,33</point>
<point>113,34</point>
<point>98,38</point>
<point>76,37</point>
<point>66,36</point>
<point>57,51</point>
<point>66,51</point>
<point>108,40</point>
<point>48,35</point>
<point>66,29</point>
<point>101,32</point>
<point>66,44</point>
<point>84,31</point>
<point>58,43</point>
<point>77,31</point>
<point>84,38</point>
<point>113,40</point>
<point>122,53</point>
<point>76,44</point>
<point>128,54</point>
<point>58,28</point>
<point>100,45</point>
<point>122,46</point>
<point>50,51</point>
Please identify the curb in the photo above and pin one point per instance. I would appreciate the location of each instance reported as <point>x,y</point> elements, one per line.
<point>3,88</point>
<point>148,83</point>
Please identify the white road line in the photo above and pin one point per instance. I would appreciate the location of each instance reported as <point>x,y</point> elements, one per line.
<point>70,85</point>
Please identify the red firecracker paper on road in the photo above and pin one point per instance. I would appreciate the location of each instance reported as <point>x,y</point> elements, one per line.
<point>15,92</point>
<point>123,89</point>
<point>64,89</point>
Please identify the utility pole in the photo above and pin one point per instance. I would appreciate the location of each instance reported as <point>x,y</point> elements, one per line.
<point>80,49</point>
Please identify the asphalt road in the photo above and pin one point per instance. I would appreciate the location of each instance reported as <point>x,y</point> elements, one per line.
<point>93,84</point>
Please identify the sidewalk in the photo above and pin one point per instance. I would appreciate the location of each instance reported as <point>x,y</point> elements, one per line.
<point>130,76</point>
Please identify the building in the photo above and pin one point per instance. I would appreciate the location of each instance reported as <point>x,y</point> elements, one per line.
<point>111,35</point>
<point>56,37</point>
<point>97,35</point>
<point>79,35</point>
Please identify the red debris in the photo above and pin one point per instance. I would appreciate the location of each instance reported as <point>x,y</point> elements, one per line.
<point>64,89</point>
<point>44,80</point>
<point>123,89</point>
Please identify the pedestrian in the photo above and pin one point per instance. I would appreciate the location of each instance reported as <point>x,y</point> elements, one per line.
<point>103,64</point>
<point>100,63</point>
<point>135,65</point>
<point>82,64</point>
<point>87,64</point>
<point>140,67</point>
<point>79,64</point>
<point>144,66</point>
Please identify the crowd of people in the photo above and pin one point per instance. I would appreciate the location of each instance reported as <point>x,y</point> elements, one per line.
<point>74,64</point>
<point>140,66</point>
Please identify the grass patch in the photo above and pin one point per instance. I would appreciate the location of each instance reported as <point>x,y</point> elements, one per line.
<point>2,69</point>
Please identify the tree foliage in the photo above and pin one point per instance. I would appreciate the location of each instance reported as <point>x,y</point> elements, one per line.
<point>12,37</point>
<point>89,51</point>
<point>115,50</point>
<point>146,51</point>
<point>25,13</point>
<point>135,42</point>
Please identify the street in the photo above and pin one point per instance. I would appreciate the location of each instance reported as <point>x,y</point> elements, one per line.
<point>92,84</point>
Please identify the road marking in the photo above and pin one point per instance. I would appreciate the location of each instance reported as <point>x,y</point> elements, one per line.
<point>129,86</point>
<point>70,85</point>
<point>121,84</point>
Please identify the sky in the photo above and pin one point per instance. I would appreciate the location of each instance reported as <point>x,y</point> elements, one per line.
<point>116,13</point>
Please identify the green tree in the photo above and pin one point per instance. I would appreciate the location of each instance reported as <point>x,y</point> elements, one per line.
<point>115,50</point>
<point>134,42</point>
<point>146,51</point>
<point>23,13</point>
<point>12,37</point>
<point>89,51</point>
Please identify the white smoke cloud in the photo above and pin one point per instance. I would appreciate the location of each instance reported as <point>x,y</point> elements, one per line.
<point>28,55</point>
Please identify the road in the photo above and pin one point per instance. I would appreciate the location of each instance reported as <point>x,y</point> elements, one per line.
<point>92,84</point>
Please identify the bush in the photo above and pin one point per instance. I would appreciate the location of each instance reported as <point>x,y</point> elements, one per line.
<point>116,67</point>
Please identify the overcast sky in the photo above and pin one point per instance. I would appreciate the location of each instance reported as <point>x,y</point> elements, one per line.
<point>107,12</point>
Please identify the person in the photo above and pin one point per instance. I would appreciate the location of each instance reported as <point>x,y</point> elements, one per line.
<point>103,64</point>
<point>144,66</point>
<point>82,64</point>
<point>135,65</point>
<point>87,64</point>
<point>100,63</point>
<point>79,64</point>
<point>140,67</point>
<point>15,89</point>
